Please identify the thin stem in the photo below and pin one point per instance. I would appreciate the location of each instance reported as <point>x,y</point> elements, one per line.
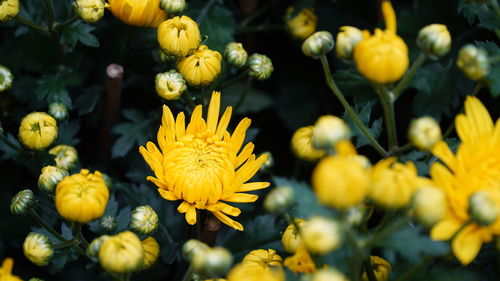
<point>356,262</point>
<point>401,86</point>
<point>28,23</point>
<point>51,14</point>
<point>189,99</point>
<point>66,244</point>
<point>387,100</point>
<point>415,268</point>
<point>188,276</point>
<point>166,232</point>
<point>352,114</point>
<point>243,94</point>
<point>235,79</point>
<point>402,149</point>
<point>43,224</point>
<point>62,26</point>
<point>204,11</point>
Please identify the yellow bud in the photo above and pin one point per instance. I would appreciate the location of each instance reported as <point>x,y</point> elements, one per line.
<point>58,110</point>
<point>89,11</point>
<point>22,202</point>
<point>279,199</point>
<point>291,239</point>
<point>429,205</point>
<point>173,6</point>
<point>318,44</point>
<point>213,262</point>
<point>144,220</point>
<point>381,269</point>
<point>302,147</point>
<point>151,251</point>
<point>8,9</point>
<point>424,133</point>
<point>473,62</point>
<point>235,54</point>
<point>347,38</point>
<point>50,177</point>
<point>6,76</point>
<point>434,40</point>
<point>38,248</point>
<point>261,66</point>
<point>328,274</point>
<point>38,130</point>
<point>252,273</point>
<point>138,13</point>
<point>6,271</point>
<point>329,130</point>
<point>302,24</point>
<point>179,36</point>
<point>122,253</point>
<point>107,223</point>
<point>262,258</point>
<point>95,246</point>
<point>192,248</point>
<point>201,68</point>
<point>483,208</point>
<point>321,235</point>
<point>170,85</point>
<point>65,156</point>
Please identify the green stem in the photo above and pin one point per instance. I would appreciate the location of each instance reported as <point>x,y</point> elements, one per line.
<point>352,114</point>
<point>51,14</point>
<point>31,24</point>
<point>243,94</point>
<point>62,26</point>
<point>189,98</point>
<point>402,149</point>
<point>356,262</point>
<point>188,276</point>
<point>43,224</point>
<point>166,232</point>
<point>205,10</point>
<point>235,79</point>
<point>401,86</point>
<point>385,232</point>
<point>387,100</point>
<point>66,244</point>
<point>415,268</point>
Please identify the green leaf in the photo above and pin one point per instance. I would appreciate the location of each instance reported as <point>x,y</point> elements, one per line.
<point>170,254</point>
<point>86,102</point>
<point>255,100</point>
<point>494,80</point>
<point>135,132</point>
<point>364,113</point>
<point>53,88</point>
<point>79,31</point>
<point>66,232</point>
<point>67,132</point>
<point>123,219</point>
<point>490,47</point>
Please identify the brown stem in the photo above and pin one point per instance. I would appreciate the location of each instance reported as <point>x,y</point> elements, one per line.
<point>206,232</point>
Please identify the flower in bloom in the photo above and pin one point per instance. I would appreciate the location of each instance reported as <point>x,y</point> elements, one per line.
<point>8,9</point>
<point>301,261</point>
<point>179,36</point>
<point>200,68</point>
<point>6,77</point>
<point>151,251</point>
<point>203,164</point>
<point>302,24</point>
<point>82,197</point>
<point>6,271</point>
<point>302,146</point>
<point>347,38</point>
<point>138,13</point>
<point>381,269</point>
<point>144,220</point>
<point>321,235</point>
<point>89,10</point>
<point>382,57</point>
<point>291,239</point>
<point>241,272</point>
<point>38,248</point>
<point>263,258</point>
<point>38,130</point>
<point>122,253</point>
<point>475,167</point>
<point>66,156</point>
<point>170,85</point>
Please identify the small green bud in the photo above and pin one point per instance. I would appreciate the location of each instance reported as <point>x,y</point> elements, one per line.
<point>165,58</point>
<point>434,40</point>
<point>347,38</point>
<point>170,85</point>
<point>269,161</point>
<point>424,133</point>
<point>261,66</point>
<point>173,6</point>
<point>95,246</point>
<point>279,199</point>
<point>192,248</point>
<point>107,223</point>
<point>50,177</point>
<point>212,263</point>
<point>482,208</point>
<point>235,54</point>
<point>328,130</point>
<point>35,279</point>
<point>473,62</point>
<point>318,44</point>
<point>6,78</point>
<point>58,110</point>
<point>144,220</point>
<point>21,202</point>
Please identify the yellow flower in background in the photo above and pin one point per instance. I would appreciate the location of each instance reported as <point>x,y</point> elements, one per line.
<point>146,13</point>
<point>6,269</point>
<point>200,68</point>
<point>179,36</point>
<point>38,130</point>
<point>382,57</point>
<point>66,156</point>
<point>262,258</point>
<point>321,235</point>
<point>82,197</point>
<point>329,130</point>
<point>429,205</point>
<point>122,253</point>
<point>329,274</point>
<point>300,262</point>
<point>291,239</point>
<point>424,133</point>
<point>302,145</point>
<point>347,38</point>
<point>151,251</point>
<point>8,9</point>
<point>473,62</point>
<point>302,24</point>
<point>38,248</point>
<point>203,164</point>
<point>89,10</point>
<point>381,269</point>
<point>475,167</point>
<point>255,273</point>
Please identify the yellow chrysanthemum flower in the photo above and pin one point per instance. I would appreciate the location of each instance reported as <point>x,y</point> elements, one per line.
<point>255,273</point>
<point>38,130</point>
<point>200,68</point>
<point>475,167</point>
<point>203,164</point>
<point>8,9</point>
<point>262,258</point>
<point>301,261</point>
<point>6,269</point>
<point>302,24</point>
<point>302,145</point>
<point>179,36</point>
<point>145,13</point>
<point>291,239</point>
<point>151,251</point>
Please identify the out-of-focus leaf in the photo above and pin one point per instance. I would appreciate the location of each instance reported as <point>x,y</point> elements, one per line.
<point>254,101</point>
<point>53,88</point>
<point>86,102</point>
<point>67,132</point>
<point>364,112</point>
<point>170,253</point>
<point>79,31</point>
<point>494,80</point>
<point>135,132</point>
<point>8,151</point>
<point>123,219</point>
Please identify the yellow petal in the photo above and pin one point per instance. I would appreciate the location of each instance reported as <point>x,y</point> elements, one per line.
<point>445,229</point>
<point>226,220</point>
<point>467,244</point>
<point>213,112</point>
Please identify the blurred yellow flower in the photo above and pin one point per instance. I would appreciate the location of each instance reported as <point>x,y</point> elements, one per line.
<point>151,251</point>
<point>145,13</point>
<point>38,248</point>
<point>200,68</point>
<point>291,239</point>
<point>424,133</point>
<point>473,62</point>
<point>82,197</point>
<point>321,235</point>
<point>429,205</point>
<point>122,253</point>
<point>381,269</point>
<point>255,273</point>
<point>329,274</point>
<point>302,24</point>
<point>347,38</point>
<point>300,262</point>
<point>474,168</point>
<point>66,156</point>
<point>179,36</point>
<point>38,130</point>
<point>302,145</point>
<point>8,9</point>
<point>204,164</point>
<point>6,269</point>
<point>262,258</point>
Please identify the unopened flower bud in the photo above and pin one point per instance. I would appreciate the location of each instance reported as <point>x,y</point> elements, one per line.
<point>424,133</point>
<point>192,248</point>
<point>122,253</point>
<point>38,130</point>
<point>261,66</point>
<point>66,156</point>
<point>302,24</point>
<point>328,274</point>
<point>347,38</point>
<point>318,44</point>
<point>6,77</point>
<point>50,177</point>
<point>279,199</point>
<point>95,246</point>
<point>434,40</point>
<point>235,54</point>
<point>429,205</point>
<point>269,162</point>
<point>151,251</point>
<point>329,130</point>
<point>8,9</point>
<point>291,239</point>
<point>321,235</point>
<point>89,11</point>
<point>173,6</point>
<point>38,248</point>
<point>58,110</point>
<point>107,223</point>
<point>144,220</point>
<point>483,208</point>
<point>21,202</point>
<point>473,62</point>
<point>170,85</point>
<point>214,262</point>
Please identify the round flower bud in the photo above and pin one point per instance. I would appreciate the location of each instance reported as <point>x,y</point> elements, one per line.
<point>483,208</point>
<point>65,156</point>
<point>8,9</point>
<point>94,246</point>
<point>302,24</point>
<point>318,44</point>
<point>192,248</point>
<point>170,85</point>
<point>122,253</point>
<point>38,130</point>
<point>329,274</point>
<point>144,220</point>
<point>138,13</point>
<point>381,269</point>
<point>107,223</point>
<point>291,239</point>
<point>279,199</point>
<point>6,271</point>
<point>302,145</point>
<point>214,262</point>
<point>434,40</point>
<point>473,62</point>
<point>321,235</point>
<point>22,202</point>
<point>179,36</point>
<point>347,38</point>
<point>82,197</point>
<point>6,76</point>
<point>235,54</point>
<point>269,162</point>
<point>424,133</point>
<point>89,11</point>
<point>173,6</point>
<point>201,68</point>
<point>261,66</point>
<point>38,248</point>
<point>262,258</point>
<point>429,205</point>
<point>242,272</point>
<point>151,251</point>
<point>329,130</point>
<point>50,177</point>
<point>58,110</point>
